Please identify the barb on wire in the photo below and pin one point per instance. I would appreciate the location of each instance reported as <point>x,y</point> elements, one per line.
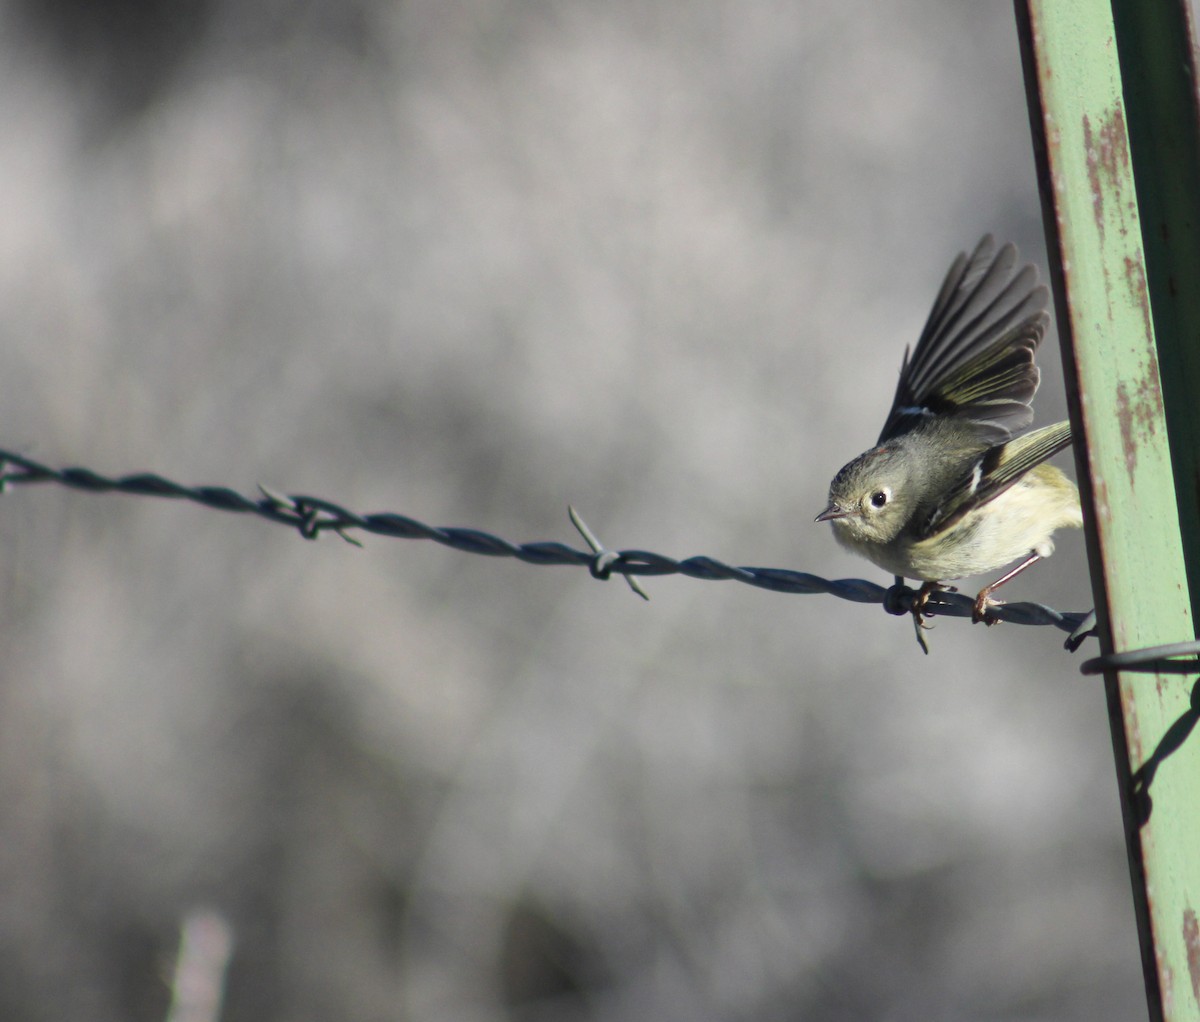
<point>602,564</point>
<point>312,516</point>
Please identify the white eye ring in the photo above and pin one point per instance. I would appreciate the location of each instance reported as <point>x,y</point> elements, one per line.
<point>879,499</point>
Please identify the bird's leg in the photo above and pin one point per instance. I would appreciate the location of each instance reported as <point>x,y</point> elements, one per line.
<point>920,602</point>
<point>984,600</point>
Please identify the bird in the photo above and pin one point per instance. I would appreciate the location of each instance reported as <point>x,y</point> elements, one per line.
<point>952,488</point>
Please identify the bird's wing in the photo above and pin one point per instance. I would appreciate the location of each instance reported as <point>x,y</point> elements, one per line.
<point>993,473</point>
<point>974,358</point>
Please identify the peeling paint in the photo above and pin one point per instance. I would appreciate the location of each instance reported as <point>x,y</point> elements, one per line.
<point>1138,414</point>
<point>1125,421</point>
<point>1106,158</point>
<point>1191,941</point>
<point>1114,145</point>
<point>1135,277</point>
<point>1106,150</point>
<point>1093,172</point>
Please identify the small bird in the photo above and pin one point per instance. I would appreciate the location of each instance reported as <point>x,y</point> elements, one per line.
<point>948,491</point>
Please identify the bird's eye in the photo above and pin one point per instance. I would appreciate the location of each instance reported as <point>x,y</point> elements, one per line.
<point>879,498</point>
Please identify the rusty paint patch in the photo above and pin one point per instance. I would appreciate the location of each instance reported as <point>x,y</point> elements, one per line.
<point>1151,389</point>
<point>1092,158</point>
<point>1125,421</point>
<point>1138,415</point>
<point>1114,145</point>
<point>1106,153</point>
<point>1191,941</point>
<point>1135,277</point>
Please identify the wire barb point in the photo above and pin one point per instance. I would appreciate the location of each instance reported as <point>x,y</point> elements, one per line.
<point>602,565</point>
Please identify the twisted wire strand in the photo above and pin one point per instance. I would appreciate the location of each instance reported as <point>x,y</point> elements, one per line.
<point>311,516</point>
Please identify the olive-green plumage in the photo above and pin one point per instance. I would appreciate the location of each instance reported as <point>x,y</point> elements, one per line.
<point>949,491</point>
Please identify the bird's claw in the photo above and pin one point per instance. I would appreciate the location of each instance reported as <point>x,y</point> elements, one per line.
<point>920,602</point>
<point>924,595</point>
<point>982,613</point>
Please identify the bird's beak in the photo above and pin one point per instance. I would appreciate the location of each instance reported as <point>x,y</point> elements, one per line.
<point>832,512</point>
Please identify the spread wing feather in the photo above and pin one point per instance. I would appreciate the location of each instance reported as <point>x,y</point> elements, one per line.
<point>974,359</point>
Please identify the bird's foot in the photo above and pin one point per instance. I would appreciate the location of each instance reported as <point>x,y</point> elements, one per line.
<point>924,595</point>
<point>920,602</point>
<point>982,612</point>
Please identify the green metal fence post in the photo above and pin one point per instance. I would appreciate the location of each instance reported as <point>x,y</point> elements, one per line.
<point>1114,116</point>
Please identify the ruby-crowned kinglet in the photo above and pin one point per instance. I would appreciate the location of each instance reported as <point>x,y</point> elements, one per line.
<point>948,491</point>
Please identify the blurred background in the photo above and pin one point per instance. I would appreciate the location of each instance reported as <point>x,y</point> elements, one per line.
<point>469,261</point>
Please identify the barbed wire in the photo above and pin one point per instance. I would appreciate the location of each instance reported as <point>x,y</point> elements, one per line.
<point>312,516</point>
